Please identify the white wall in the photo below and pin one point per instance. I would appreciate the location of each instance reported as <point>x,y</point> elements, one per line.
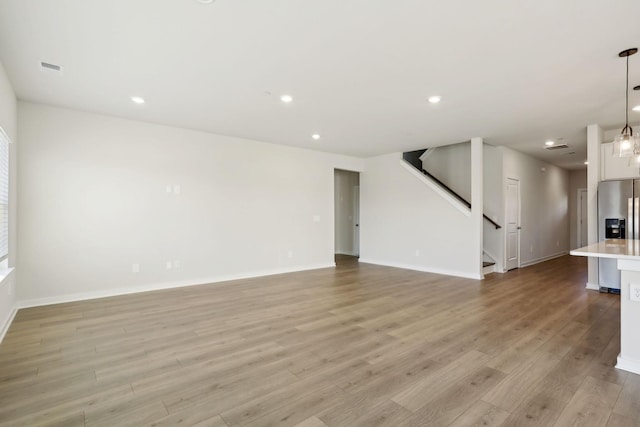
<point>577,180</point>
<point>544,206</point>
<point>493,192</point>
<point>93,202</point>
<point>344,184</point>
<point>9,125</point>
<point>451,164</point>
<point>406,223</point>
<point>395,202</point>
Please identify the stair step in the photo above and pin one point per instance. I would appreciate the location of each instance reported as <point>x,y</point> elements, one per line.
<point>487,263</point>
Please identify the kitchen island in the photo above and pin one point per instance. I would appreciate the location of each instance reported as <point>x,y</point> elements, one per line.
<point>627,254</point>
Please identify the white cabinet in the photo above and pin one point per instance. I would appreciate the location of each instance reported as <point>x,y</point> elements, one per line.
<point>614,167</point>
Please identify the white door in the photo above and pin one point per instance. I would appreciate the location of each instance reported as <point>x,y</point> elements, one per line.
<point>356,220</point>
<point>582,217</point>
<point>512,248</point>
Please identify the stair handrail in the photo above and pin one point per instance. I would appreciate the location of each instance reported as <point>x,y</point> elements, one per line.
<point>442,184</point>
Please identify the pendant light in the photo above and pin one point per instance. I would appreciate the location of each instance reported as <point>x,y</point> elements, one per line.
<point>627,144</point>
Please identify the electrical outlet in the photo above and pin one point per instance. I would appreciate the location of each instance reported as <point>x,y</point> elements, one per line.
<point>135,268</point>
<point>634,292</point>
<point>177,264</point>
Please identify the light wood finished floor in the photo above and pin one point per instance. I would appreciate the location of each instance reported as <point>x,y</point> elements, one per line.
<point>359,345</point>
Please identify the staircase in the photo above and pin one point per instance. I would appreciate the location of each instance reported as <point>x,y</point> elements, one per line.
<point>415,158</point>
<point>488,266</point>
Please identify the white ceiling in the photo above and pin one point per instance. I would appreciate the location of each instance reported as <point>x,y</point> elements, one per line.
<point>513,72</point>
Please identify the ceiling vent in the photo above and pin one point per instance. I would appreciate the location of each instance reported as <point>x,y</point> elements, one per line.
<point>556,147</point>
<point>49,66</point>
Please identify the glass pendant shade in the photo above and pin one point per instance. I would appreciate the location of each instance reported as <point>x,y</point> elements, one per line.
<point>626,145</point>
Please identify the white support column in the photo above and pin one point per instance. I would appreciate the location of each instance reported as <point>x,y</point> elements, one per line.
<point>477,199</point>
<point>594,141</point>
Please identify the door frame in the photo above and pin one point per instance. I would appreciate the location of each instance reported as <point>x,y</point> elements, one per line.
<point>579,213</point>
<point>355,246</point>
<point>355,223</point>
<point>506,223</point>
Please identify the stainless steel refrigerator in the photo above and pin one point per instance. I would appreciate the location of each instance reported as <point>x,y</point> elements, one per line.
<point>618,218</point>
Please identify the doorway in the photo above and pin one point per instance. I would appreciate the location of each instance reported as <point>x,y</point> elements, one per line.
<point>512,205</point>
<point>346,212</point>
<point>582,218</point>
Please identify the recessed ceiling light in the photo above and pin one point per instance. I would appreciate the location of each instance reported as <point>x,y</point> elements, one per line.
<point>316,136</point>
<point>586,162</point>
<point>286,98</point>
<point>435,99</point>
<point>549,143</point>
<point>137,99</point>
<point>636,108</point>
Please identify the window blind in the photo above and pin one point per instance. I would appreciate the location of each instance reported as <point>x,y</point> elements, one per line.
<point>4,195</point>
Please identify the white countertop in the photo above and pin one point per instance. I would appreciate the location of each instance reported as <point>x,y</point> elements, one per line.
<point>613,248</point>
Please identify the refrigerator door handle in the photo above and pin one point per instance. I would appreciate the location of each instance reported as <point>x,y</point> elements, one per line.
<point>630,227</point>
<point>636,217</point>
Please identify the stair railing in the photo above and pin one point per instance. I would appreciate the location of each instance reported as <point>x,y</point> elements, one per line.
<point>413,158</point>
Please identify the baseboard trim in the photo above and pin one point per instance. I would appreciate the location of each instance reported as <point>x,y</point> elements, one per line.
<point>456,273</point>
<point>7,322</point>
<point>592,286</point>
<point>162,286</point>
<point>543,259</point>
<point>346,253</point>
<point>628,365</point>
